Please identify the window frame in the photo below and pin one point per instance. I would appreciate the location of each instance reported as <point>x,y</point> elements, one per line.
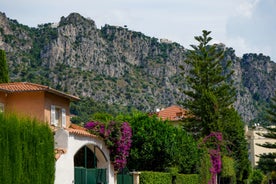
<point>61,121</point>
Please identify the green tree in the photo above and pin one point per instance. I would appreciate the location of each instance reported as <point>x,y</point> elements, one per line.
<point>210,98</point>
<point>87,108</point>
<point>233,133</point>
<point>4,72</point>
<point>210,91</point>
<point>158,146</point>
<point>271,111</point>
<point>267,162</point>
<point>256,177</point>
<point>265,159</point>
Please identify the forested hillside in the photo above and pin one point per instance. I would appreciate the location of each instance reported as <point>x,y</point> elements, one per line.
<point>116,69</point>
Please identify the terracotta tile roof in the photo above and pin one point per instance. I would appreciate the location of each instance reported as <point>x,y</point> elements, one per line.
<point>17,87</point>
<point>78,130</point>
<point>172,113</point>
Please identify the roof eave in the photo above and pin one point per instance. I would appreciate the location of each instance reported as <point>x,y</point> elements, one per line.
<point>59,93</point>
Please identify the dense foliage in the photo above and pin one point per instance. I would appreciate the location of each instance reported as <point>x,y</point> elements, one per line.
<point>233,133</point>
<point>210,87</point>
<point>157,145</point>
<point>267,161</point>
<point>271,111</point>
<point>187,179</point>
<point>256,177</point>
<point>117,137</point>
<point>4,73</point>
<point>150,177</point>
<point>205,165</point>
<point>228,174</point>
<point>27,151</point>
<point>213,143</point>
<point>87,107</point>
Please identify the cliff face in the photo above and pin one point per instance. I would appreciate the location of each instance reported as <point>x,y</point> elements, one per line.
<point>119,66</point>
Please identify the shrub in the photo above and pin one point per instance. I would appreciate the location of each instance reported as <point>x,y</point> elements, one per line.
<point>228,169</point>
<point>187,179</point>
<point>149,177</point>
<point>157,145</point>
<point>256,177</point>
<point>117,137</point>
<point>27,151</point>
<point>213,143</point>
<point>205,165</point>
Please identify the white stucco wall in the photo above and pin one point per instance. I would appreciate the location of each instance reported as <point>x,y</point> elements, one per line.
<point>65,164</point>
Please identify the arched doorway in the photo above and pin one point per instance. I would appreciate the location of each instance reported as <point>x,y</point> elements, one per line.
<point>85,164</point>
<point>85,158</point>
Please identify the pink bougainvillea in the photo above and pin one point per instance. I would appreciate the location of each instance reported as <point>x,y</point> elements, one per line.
<point>213,142</point>
<point>117,137</point>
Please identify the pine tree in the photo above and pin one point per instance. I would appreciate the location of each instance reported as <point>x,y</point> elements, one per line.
<point>233,134</point>
<point>210,98</point>
<point>210,86</point>
<point>4,73</point>
<point>267,161</point>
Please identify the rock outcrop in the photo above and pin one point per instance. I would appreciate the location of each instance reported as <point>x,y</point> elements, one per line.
<point>118,66</point>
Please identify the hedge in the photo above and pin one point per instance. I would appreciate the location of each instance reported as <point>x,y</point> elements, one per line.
<point>187,179</point>
<point>27,151</point>
<point>149,177</point>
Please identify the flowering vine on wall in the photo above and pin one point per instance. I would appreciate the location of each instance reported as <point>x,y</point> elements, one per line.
<point>117,137</point>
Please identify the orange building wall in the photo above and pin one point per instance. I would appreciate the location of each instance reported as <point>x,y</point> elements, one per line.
<point>35,104</point>
<point>2,98</point>
<point>26,104</point>
<point>52,99</point>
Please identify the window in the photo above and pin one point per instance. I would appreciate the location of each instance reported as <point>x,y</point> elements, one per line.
<point>58,116</point>
<point>1,107</point>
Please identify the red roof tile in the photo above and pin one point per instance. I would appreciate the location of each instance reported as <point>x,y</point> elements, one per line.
<point>17,87</point>
<point>172,113</point>
<point>81,131</point>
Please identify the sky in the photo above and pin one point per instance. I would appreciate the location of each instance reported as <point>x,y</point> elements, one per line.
<point>248,26</point>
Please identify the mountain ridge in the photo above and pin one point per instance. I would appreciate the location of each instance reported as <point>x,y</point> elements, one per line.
<point>118,66</point>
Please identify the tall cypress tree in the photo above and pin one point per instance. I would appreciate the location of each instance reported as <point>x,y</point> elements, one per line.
<point>210,91</point>
<point>4,72</point>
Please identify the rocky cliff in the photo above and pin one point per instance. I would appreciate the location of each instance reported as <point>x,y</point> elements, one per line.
<point>118,66</point>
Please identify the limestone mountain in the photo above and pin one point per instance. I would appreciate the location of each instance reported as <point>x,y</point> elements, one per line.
<point>117,66</point>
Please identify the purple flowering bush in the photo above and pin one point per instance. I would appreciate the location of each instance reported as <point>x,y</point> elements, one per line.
<point>213,142</point>
<point>117,137</point>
